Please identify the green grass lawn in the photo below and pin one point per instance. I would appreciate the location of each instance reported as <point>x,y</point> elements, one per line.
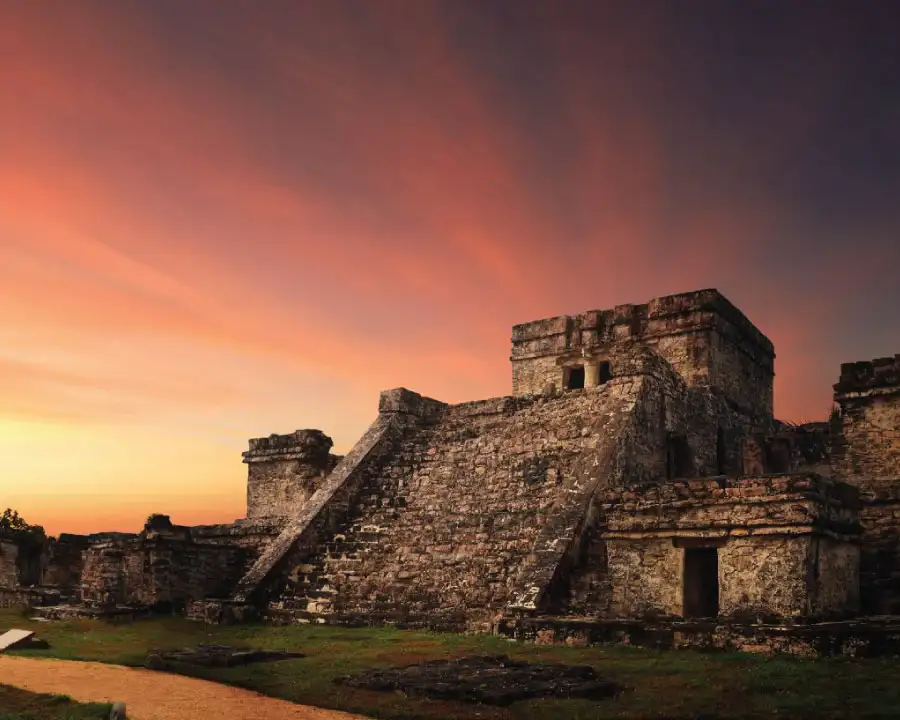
<point>660,684</point>
<point>16,704</point>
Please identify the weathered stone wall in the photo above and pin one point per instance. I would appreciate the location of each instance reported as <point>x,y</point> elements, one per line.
<point>764,577</point>
<point>867,637</point>
<point>9,568</point>
<point>285,470</point>
<point>867,449</point>
<point>759,577</point>
<point>785,545</point>
<point>880,552</point>
<point>23,597</point>
<point>705,339</point>
<point>21,560</point>
<point>155,570</point>
<point>646,577</point>
<point>834,577</point>
<point>252,534</point>
<point>866,453</point>
<point>64,561</point>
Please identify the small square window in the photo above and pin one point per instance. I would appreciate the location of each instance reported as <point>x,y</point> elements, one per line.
<point>574,377</point>
<point>604,373</point>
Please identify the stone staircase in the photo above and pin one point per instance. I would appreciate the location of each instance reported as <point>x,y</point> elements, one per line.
<point>313,587</point>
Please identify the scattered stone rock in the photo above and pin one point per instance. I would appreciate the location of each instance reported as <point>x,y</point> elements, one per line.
<point>490,680</point>
<point>210,655</point>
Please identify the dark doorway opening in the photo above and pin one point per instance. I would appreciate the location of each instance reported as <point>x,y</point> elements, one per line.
<point>701,582</point>
<point>777,457</point>
<point>575,377</point>
<point>605,373</point>
<point>721,453</point>
<point>679,460</point>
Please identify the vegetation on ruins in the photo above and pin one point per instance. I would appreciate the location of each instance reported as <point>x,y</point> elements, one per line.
<point>155,520</point>
<point>659,684</point>
<point>14,525</point>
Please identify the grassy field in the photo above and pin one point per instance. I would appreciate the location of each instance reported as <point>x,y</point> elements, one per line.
<point>680,684</point>
<point>18,704</point>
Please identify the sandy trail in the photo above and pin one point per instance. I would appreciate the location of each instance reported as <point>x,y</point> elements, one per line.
<point>150,695</point>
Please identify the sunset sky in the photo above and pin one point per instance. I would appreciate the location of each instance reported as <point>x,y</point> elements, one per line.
<point>220,220</point>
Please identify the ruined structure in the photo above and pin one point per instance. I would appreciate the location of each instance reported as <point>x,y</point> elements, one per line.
<point>285,470</point>
<point>866,453</point>
<point>636,473</point>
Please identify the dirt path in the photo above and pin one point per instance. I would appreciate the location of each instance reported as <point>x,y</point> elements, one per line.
<point>150,695</point>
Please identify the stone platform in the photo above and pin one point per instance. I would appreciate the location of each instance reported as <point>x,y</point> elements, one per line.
<point>860,637</point>
<point>124,613</point>
<point>488,680</point>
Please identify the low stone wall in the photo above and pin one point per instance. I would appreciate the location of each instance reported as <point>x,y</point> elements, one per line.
<point>65,561</point>
<point>251,534</point>
<point>863,637</point>
<point>151,571</point>
<point>28,597</point>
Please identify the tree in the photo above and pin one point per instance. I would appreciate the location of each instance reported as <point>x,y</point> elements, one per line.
<point>14,525</point>
<point>157,522</point>
<point>11,520</point>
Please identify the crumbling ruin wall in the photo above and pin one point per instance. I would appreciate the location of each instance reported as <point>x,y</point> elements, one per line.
<point>645,577</point>
<point>65,561</point>
<point>285,470</point>
<point>866,453</point>
<point>252,534</point>
<point>785,546</point>
<point>834,577</point>
<point>764,577</point>
<point>158,570</point>
<point>9,563</point>
<point>21,559</point>
<point>706,340</point>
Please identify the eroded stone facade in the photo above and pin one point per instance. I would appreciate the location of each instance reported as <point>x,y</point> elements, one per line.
<point>285,470</point>
<point>701,335</point>
<point>782,546</point>
<point>867,454</point>
<point>634,475</point>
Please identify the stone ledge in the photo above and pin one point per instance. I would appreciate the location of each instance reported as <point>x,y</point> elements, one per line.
<point>859,379</point>
<point>403,401</point>
<point>861,637</point>
<point>301,444</point>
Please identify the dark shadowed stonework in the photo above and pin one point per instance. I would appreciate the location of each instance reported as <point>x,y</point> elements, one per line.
<point>489,680</point>
<point>634,475</point>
